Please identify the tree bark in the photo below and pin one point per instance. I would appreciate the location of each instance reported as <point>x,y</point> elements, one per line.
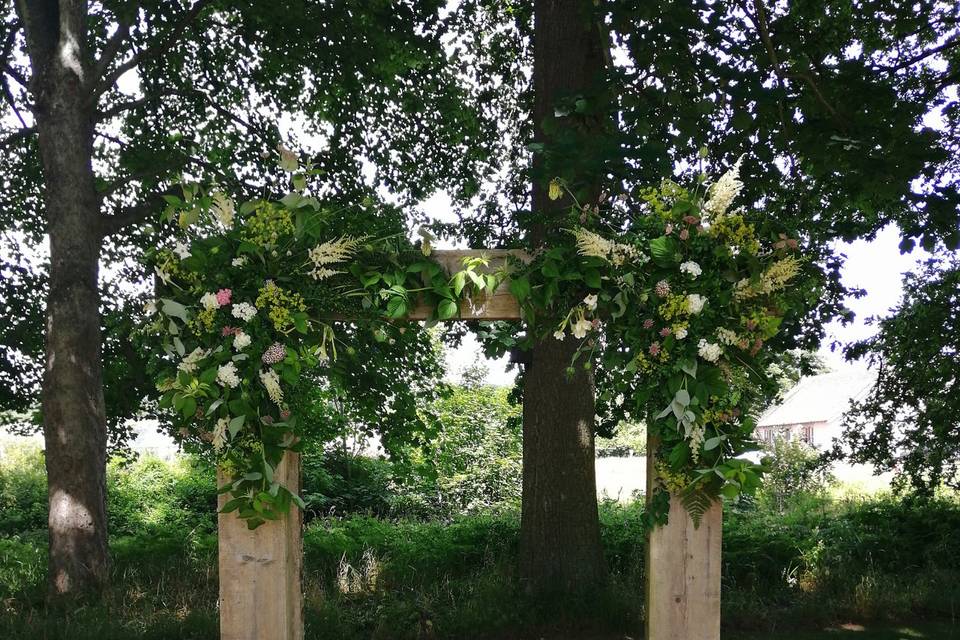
<point>560,532</point>
<point>74,422</point>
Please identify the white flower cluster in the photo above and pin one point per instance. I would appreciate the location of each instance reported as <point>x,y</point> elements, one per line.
<point>241,341</point>
<point>245,311</point>
<point>724,191</point>
<point>596,246</point>
<point>692,268</point>
<point>239,261</point>
<point>332,252</point>
<point>271,381</point>
<point>709,351</point>
<point>227,375</point>
<point>223,208</point>
<point>680,333</point>
<point>695,303</point>
<point>192,359</point>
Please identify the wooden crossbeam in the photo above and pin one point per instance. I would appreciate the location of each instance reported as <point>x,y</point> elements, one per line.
<point>261,594</point>
<point>500,306</point>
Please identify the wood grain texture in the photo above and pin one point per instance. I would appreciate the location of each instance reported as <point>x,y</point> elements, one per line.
<point>500,306</point>
<point>261,596</point>
<point>683,573</point>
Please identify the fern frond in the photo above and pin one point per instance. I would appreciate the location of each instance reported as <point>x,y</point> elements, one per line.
<point>697,502</point>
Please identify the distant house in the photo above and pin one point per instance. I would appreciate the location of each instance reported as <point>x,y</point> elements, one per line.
<point>813,410</point>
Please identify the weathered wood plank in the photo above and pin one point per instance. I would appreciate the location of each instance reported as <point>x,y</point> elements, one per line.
<point>500,306</point>
<point>683,573</point>
<point>261,596</point>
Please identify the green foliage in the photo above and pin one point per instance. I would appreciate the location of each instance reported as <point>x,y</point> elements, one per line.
<point>793,469</point>
<point>629,439</point>
<point>151,496</point>
<point>816,564</point>
<point>910,421</point>
<point>474,463</point>
<point>23,489</point>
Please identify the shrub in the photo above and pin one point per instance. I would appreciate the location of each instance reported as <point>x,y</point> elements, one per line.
<point>23,489</point>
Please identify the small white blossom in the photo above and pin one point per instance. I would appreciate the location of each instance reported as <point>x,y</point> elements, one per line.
<point>618,400</point>
<point>692,268</point>
<point>209,301</point>
<point>227,375</point>
<point>245,311</point>
<point>680,333</point>
<point>709,351</point>
<point>591,301</point>
<point>182,249</point>
<point>580,328</point>
<point>239,261</point>
<point>695,303</point>
<point>559,334</point>
<point>241,341</point>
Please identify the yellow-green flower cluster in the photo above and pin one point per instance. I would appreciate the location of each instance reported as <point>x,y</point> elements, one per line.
<point>169,264</point>
<point>282,305</point>
<point>661,200</point>
<point>676,306</point>
<point>734,231</point>
<point>268,224</point>
<point>203,320</point>
<point>673,482</point>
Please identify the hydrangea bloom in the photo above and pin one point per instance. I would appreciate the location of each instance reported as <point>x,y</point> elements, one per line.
<point>709,351</point>
<point>227,375</point>
<point>691,268</point>
<point>241,341</point>
<point>245,311</point>
<point>695,303</point>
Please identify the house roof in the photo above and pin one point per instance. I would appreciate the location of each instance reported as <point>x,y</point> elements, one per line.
<point>820,398</point>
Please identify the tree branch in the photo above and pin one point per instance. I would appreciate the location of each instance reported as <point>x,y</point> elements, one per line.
<point>162,44</point>
<point>110,224</point>
<point>17,135</point>
<point>112,49</point>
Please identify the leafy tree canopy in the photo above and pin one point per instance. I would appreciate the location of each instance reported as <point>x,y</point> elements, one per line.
<point>910,422</point>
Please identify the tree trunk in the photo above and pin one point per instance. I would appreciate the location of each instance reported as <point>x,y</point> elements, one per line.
<point>74,422</point>
<point>560,532</point>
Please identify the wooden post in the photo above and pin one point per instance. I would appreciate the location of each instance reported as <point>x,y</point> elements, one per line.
<point>683,572</point>
<point>261,597</point>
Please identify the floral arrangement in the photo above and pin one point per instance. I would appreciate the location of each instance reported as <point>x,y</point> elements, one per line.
<point>675,309</point>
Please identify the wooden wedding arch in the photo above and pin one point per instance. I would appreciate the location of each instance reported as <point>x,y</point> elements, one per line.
<point>261,595</point>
